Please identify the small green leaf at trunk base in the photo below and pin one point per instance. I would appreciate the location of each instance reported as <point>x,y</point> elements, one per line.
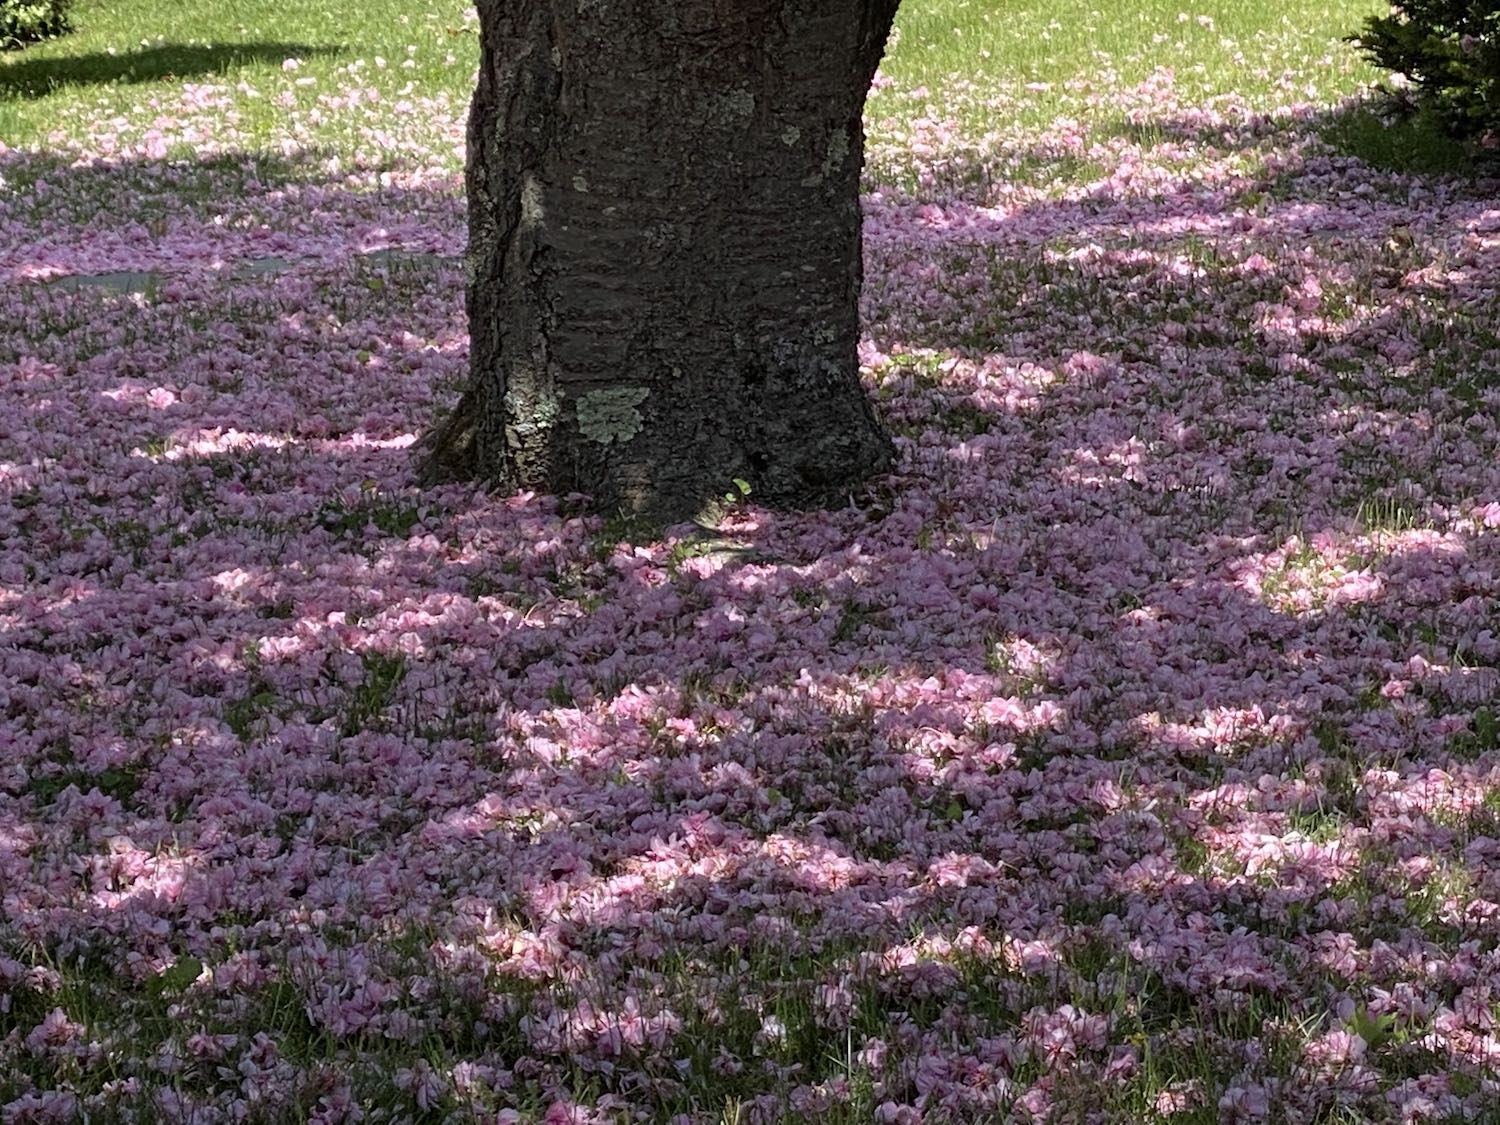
<point>177,978</point>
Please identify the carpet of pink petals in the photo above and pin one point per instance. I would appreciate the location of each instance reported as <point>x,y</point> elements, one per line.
<point>1130,753</point>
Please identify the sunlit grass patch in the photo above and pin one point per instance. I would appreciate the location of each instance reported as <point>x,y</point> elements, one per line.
<point>1050,50</point>
<point>123,54</point>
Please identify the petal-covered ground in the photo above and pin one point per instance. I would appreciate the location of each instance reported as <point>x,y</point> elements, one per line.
<point>1131,753</point>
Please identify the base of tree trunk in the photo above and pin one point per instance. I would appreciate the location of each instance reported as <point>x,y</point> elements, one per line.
<point>447,451</point>
<point>815,465</point>
<point>665,254</point>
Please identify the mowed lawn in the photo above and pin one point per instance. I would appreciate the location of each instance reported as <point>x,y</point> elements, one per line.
<point>1130,754</point>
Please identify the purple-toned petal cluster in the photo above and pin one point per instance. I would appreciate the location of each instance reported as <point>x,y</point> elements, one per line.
<point>1131,752</point>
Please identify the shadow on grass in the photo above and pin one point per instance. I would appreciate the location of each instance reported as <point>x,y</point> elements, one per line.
<point>1409,142</point>
<point>1362,130</point>
<point>32,77</point>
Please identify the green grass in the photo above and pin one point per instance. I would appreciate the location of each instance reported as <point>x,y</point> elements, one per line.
<point>995,43</point>
<point>1035,60</point>
<point>128,51</point>
<point>125,52</point>
<point>1411,144</point>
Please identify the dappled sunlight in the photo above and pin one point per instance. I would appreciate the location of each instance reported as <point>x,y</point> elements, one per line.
<point>1146,711</point>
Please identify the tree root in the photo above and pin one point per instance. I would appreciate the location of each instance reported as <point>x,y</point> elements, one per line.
<point>449,451</point>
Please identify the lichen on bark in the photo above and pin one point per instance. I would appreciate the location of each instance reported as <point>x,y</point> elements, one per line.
<point>610,414</point>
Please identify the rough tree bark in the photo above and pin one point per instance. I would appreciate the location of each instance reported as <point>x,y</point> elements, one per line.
<point>664,259</point>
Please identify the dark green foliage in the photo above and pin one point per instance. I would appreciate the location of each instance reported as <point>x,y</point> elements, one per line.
<point>26,21</point>
<point>1450,51</point>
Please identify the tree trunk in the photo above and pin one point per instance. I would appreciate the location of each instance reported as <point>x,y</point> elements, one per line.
<point>664,252</point>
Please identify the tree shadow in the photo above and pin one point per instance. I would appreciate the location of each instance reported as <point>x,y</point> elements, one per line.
<point>32,77</point>
<point>1052,719</point>
<point>1355,130</point>
<point>1375,129</point>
